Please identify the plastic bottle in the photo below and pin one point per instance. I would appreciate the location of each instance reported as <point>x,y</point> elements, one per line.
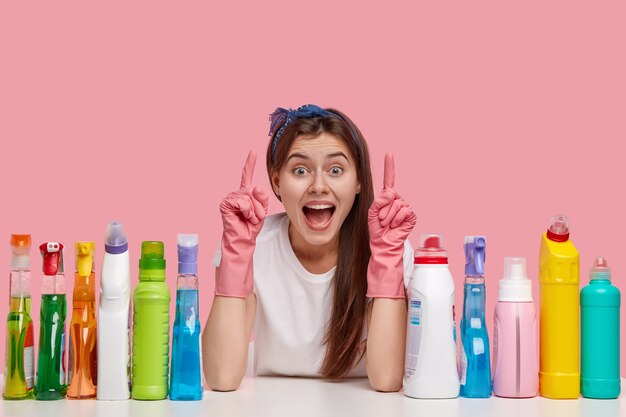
<point>515,369</point>
<point>151,326</point>
<point>431,368</point>
<point>19,353</point>
<point>185,375</point>
<point>559,335</point>
<point>600,345</point>
<point>475,369</point>
<point>51,368</point>
<point>82,375</point>
<point>114,317</point>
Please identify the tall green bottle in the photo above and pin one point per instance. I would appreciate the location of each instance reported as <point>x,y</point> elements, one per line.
<point>151,326</point>
<point>600,304</point>
<point>51,384</point>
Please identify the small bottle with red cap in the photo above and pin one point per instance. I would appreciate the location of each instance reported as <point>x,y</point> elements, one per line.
<point>430,364</point>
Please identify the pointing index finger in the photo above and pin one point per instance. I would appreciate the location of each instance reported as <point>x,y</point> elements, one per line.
<point>390,172</point>
<point>248,170</point>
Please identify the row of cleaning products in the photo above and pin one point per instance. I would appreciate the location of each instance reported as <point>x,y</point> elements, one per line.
<point>99,353</point>
<point>557,370</point>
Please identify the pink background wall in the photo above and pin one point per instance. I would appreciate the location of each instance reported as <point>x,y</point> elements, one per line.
<point>499,115</point>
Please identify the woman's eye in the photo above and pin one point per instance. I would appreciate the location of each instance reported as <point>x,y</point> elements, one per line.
<point>336,170</point>
<point>299,171</point>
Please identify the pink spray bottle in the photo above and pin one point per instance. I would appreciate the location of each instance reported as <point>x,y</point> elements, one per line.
<point>515,371</point>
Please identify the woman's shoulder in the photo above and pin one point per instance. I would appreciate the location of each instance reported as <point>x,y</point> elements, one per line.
<point>272,226</point>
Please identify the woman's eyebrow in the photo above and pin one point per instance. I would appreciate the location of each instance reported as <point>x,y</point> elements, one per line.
<point>335,154</point>
<point>298,155</point>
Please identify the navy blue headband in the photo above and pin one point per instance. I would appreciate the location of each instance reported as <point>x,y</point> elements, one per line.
<point>281,118</point>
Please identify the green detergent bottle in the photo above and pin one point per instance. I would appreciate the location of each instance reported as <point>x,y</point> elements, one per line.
<point>600,304</point>
<point>151,326</point>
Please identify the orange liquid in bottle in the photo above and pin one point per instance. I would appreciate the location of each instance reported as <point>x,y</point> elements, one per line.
<point>82,360</point>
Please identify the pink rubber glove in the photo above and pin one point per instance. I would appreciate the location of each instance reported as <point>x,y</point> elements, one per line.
<point>390,220</point>
<point>243,213</point>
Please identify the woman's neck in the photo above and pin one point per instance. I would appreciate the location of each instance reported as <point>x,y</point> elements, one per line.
<point>317,259</point>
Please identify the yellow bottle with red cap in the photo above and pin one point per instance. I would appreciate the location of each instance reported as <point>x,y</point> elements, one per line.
<point>559,348</point>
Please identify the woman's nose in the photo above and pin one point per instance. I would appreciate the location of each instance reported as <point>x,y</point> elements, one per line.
<point>319,185</point>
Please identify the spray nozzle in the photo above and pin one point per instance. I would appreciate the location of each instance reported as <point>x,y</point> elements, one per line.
<point>600,269</point>
<point>52,253</point>
<point>559,228</point>
<point>84,258</point>
<point>515,285</point>
<point>475,255</point>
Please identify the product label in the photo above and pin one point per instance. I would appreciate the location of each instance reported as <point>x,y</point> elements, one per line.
<point>414,336</point>
<point>29,357</point>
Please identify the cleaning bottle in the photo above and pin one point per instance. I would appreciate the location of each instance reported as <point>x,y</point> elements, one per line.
<point>600,344</point>
<point>114,317</point>
<point>515,369</point>
<point>185,379</point>
<point>475,369</point>
<point>51,368</point>
<point>19,353</point>
<point>559,336</point>
<point>82,375</point>
<point>151,325</point>
<point>430,363</point>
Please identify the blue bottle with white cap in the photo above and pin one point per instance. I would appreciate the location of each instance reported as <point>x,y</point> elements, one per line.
<point>185,379</point>
<point>475,369</point>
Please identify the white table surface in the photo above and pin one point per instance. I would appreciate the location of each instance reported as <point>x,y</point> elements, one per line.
<point>295,397</point>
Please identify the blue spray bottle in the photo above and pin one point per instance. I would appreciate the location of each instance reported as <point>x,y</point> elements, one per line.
<point>185,379</point>
<point>475,369</point>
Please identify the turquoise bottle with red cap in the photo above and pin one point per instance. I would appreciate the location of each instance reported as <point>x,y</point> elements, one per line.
<point>151,325</point>
<point>51,384</point>
<point>600,345</point>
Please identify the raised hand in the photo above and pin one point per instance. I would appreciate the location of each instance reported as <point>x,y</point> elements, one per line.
<point>390,221</point>
<point>243,212</point>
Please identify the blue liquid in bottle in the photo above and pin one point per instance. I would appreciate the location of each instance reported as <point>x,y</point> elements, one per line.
<point>185,375</point>
<point>475,362</point>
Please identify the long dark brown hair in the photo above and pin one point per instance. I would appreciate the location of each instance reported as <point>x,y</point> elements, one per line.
<point>345,328</point>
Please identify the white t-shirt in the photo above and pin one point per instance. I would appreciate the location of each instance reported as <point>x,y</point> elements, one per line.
<point>293,305</point>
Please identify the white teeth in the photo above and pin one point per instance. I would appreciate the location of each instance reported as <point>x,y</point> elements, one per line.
<point>319,206</point>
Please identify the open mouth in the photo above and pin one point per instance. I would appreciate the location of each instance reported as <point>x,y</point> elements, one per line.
<point>318,216</point>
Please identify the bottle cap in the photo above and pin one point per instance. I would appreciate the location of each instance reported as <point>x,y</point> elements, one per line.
<point>559,228</point>
<point>515,285</point>
<point>152,255</point>
<point>600,269</point>
<point>187,254</point>
<point>430,250</point>
<point>115,241</point>
<point>20,251</point>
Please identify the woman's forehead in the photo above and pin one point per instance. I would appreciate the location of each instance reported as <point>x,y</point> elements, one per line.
<point>321,145</point>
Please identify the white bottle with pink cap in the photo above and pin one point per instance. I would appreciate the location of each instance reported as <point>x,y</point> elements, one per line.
<point>515,371</point>
<point>430,364</point>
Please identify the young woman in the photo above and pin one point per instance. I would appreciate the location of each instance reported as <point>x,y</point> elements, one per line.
<point>322,284</point>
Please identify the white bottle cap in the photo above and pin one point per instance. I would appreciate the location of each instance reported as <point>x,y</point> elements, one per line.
<point>515,285</point>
